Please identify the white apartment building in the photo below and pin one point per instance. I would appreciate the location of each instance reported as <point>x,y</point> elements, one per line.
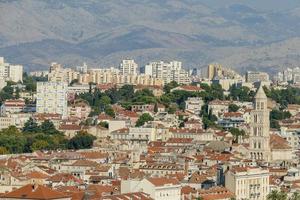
<point>252,77</point>
<point>168,72</point>
<point>52,98</point>
<point>128,67</point>
<point>248,183</point>
<point>14,119</point>
<point>194,104</point>
<point>59,74</point>
<point>157,188</point>
<point>10,72</point>
<point>12,106</point>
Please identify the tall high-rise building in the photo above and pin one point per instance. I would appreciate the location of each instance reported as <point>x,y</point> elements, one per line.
<point>168,72</point>
<point>260,128</point>
<point>10,72</point>
<point>59,74</point>
<point>52,98</point>
<point>214,70</point>
<point>128,67</point>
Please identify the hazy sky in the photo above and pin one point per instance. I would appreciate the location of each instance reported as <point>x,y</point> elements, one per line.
<point>258,4</point>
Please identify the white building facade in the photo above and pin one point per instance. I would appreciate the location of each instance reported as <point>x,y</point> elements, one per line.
<point>10,72</point>
<point>52,98</point>
<point>248,183</point>
<point>128,67</point>
<point>168,71</point>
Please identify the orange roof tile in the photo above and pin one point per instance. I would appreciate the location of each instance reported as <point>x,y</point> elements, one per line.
<point>35,192</point>
<point>163,181</point>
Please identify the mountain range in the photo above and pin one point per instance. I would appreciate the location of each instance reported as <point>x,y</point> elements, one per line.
<point>241,34</point>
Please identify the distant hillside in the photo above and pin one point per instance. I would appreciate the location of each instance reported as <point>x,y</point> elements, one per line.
<point>243,35</point>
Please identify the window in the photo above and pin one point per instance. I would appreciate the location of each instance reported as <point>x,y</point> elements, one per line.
<point>262,105</point>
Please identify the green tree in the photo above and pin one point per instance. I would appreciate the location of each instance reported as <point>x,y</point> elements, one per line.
<point>110,111</point>
<point>277,195</point>
<point>241,93</point>
<point>276,115</point>
<point>12,139</point>
<point>39,145</point>
<point>274,124</point>
<point>279,115</point>
<point>169,86</point>
<point>295,196</point>
<point>82,140</point>
<point>126,92</point>
<point>172,109</point>
<point>3,150</point>
<point>48,127</point>
<point>103,124</point>
<point>208,119</point>
<point>233,108</point>
<point>145,117</point>
<point>236,132</point>
<point>105,100</point>
<point>74,81</point>
<point>31,126</point>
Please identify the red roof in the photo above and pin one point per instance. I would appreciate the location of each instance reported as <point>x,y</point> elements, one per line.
<point>163,181</point>
<point>70,127</point>
<point>35,192</point>
<point>232,114</point>
<point>189,88</point>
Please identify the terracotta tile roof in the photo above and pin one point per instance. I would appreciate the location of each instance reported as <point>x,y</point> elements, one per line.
<point>49,116</point>
<point>37,175</point>
<point>94,155</point>
<point>64,178</point>
<point>277,142</point>
<point>191,88</point>
<point>35,192</point>
<point>72,191</point>
<point>14,103</point>
<point>100,190</point>
<point>104,116</point>
<point>216,193</point>
<point>127,196</point>
<point>188,190</point>
<point>163,181</point>
<point>198,178</point>
<point>105,86</point>
<point>126,173</point>
<point>85,163</point>
<point>233,114</point>
<point>69,127</point>
<point>127,113</point>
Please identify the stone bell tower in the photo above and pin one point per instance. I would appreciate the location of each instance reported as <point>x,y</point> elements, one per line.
<point>260,128</point>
